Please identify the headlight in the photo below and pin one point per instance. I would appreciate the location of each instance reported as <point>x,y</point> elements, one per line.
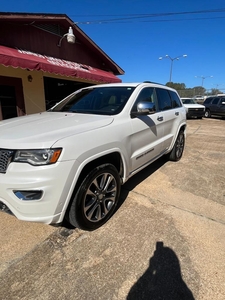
<point>38,157</point>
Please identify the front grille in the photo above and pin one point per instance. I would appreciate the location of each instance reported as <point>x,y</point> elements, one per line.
<point>5,159</point>
<point>195,109</point>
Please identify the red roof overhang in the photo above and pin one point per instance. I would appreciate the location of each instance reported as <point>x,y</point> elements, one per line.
<point>33,61</point>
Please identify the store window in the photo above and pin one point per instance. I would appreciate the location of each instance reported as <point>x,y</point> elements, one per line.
<point>58,89</point>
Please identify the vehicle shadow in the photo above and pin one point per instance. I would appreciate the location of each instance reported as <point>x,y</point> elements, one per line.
<point>162,280</point>
<point>139,177</point>
<point>215,118</point>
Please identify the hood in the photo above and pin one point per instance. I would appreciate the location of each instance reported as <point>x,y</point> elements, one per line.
<point>194,105</point>
<point>44,129</point>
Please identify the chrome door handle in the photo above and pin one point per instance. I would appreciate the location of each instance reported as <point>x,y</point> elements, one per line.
<point>160,118</point>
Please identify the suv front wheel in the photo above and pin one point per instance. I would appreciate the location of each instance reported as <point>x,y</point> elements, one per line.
<point>96,199</point>
<point>207,113</point>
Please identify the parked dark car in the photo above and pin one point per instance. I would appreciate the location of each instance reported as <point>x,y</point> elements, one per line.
<point>215,105</point>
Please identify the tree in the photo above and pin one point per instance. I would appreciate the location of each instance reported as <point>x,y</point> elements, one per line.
<point>199,90</point>
<point>176,86</point>
<point>191,92</point>
<point>215,92</point>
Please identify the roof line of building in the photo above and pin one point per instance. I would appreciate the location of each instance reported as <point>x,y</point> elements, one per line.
<point>51,16</point>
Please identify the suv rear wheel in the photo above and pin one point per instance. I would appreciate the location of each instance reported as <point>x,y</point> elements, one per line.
<point>178,147</point>
<point>96,199</point>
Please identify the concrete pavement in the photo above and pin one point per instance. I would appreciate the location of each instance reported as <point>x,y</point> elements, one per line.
<point>166,241</point>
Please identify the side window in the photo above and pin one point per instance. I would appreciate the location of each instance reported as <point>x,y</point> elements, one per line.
<point>145,95</point>
<point>164,100</point>
<point>207,100</point>
<point>175,99</point>
<point>215,101</point>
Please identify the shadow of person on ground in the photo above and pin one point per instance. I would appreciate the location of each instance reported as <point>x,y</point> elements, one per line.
<point>162,280</point>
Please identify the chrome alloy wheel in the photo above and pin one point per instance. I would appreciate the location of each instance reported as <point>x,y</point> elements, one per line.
<point>179,145</point>
<point>100,197</point>
<point>96,199</point>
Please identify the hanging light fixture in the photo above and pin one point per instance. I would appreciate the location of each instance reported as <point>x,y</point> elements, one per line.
<point>70,37</point>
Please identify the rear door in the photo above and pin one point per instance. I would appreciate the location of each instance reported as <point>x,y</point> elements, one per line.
<point>173,112</point>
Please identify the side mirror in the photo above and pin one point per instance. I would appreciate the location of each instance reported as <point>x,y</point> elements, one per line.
<point>144,108</point>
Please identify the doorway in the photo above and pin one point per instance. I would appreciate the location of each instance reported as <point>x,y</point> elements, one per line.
<point>11,98</point>
<point>8,102</point>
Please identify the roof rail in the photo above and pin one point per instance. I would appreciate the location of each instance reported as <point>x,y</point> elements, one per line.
<point>147,81</point>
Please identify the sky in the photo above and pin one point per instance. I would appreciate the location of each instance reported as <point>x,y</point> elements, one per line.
<point>135,33</point>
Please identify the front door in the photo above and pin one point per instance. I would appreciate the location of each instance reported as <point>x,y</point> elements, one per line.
<point>221,107</point>
<point>147,132</point>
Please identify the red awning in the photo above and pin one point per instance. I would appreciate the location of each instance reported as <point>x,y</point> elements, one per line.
<point>33,61</point>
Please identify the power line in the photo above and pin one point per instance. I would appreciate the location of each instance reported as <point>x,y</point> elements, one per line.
<point>131,17</point>
<point>145,21</point>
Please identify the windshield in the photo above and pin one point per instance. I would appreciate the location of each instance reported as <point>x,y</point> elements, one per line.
<point>102,100</point>
<point>189,101</point>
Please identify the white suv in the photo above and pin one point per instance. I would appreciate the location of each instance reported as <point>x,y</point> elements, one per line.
<point>70,161</point>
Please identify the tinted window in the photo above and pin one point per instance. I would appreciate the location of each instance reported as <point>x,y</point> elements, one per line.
<point>146,95</point>
<point>164,100</point>
<point>215,101</point>
<point>207,100</point>
<point>188,101</point>
<point>175,99</point>
<point>103,101</point>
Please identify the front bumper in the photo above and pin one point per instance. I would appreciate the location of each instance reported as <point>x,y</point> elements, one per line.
<point>199,113</point>
<point>55,182</point>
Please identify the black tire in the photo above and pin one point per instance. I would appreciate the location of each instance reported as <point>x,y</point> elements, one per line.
<point>178,147</point>
<point>207,113</point>
<point>96,199</point>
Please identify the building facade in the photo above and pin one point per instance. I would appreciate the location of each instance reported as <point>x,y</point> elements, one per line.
<point>45,57</point>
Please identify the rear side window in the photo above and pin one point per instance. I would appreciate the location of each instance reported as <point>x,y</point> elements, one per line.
<point>175,99</point>
<point>164,100</point>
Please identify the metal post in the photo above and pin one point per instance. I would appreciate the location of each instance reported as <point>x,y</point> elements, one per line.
<point>172,59</point>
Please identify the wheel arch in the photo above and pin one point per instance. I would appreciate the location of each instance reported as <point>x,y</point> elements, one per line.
<point>113,158</point>
<point>182,128</point>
